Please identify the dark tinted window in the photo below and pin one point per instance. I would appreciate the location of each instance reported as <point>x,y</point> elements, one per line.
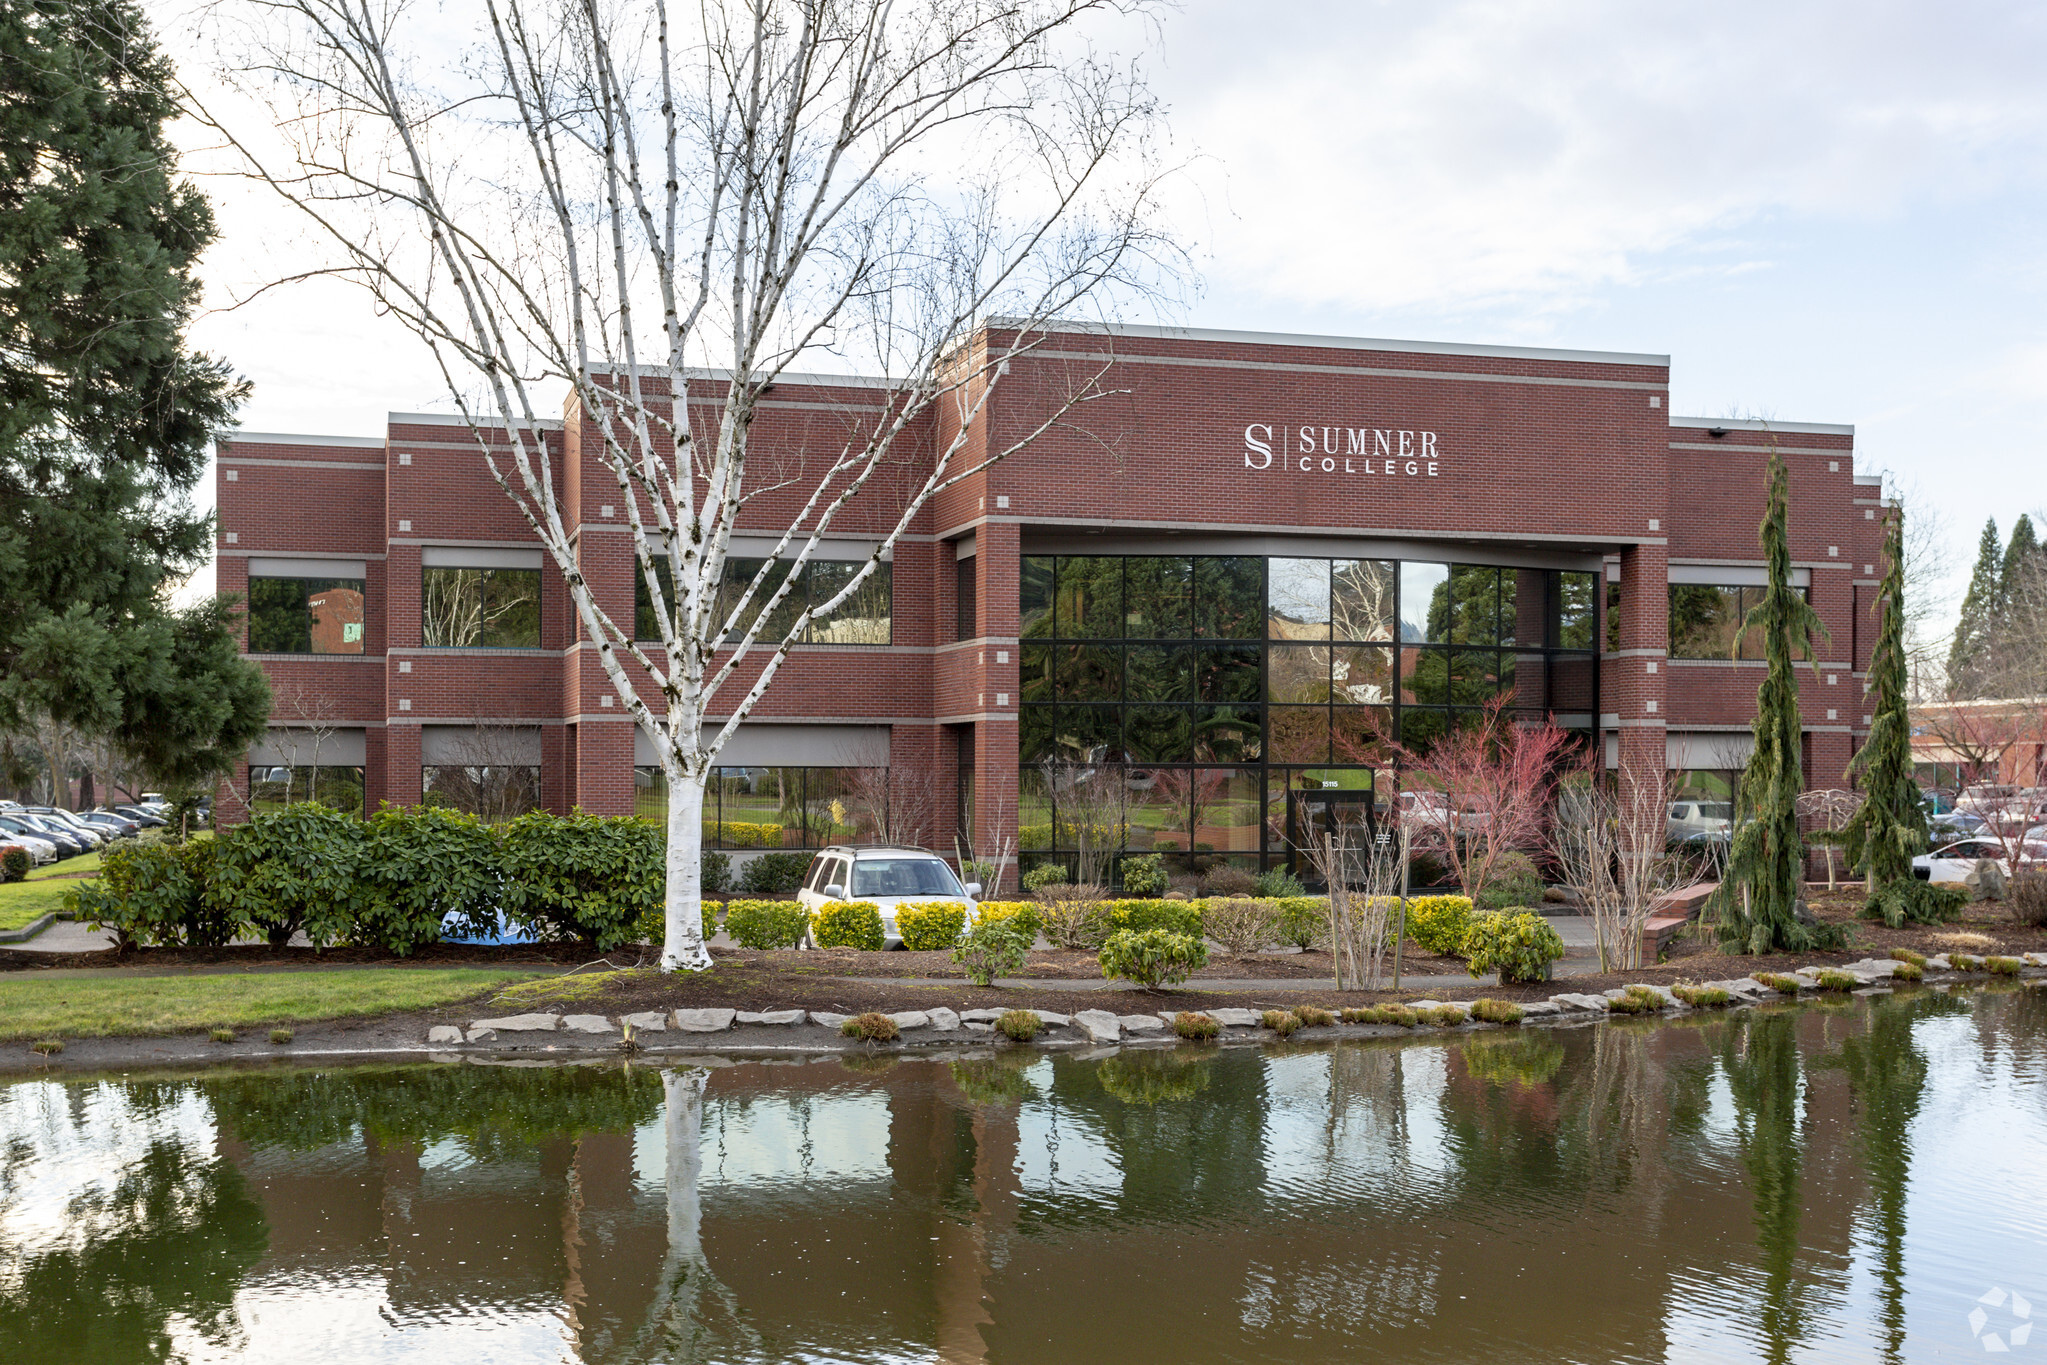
<point>969,619</point>
<point>306,616</point>
<point>480,608</point>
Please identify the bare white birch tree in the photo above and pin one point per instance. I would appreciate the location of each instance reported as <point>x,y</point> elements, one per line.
<point>610,195</point>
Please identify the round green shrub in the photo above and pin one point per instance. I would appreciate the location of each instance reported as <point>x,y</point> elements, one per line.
<point>773,874</point>
<point>930,926</point>
<point>1515,883</point>
<point>1144,876</point>
<point>992,948</point>
<point>1019,1026</point>
<point>1437,924</point>
<point>765,925</point>
<point>1152,957</point>
<point>847,924</point>
<point>14,864</point>
<point>1519,947</point>
<point>1044,875</point>
<point>1279,884</point>
<point>1302,922</point>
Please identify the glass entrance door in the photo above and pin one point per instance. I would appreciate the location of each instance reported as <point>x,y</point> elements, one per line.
<point>1347,816</point>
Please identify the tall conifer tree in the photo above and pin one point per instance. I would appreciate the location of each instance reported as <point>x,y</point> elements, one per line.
<point>1979,608</point>
<point>1891,825</point>
<point>1758,900</point>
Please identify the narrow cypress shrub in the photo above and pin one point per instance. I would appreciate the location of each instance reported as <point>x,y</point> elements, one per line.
<point>1891,825</point>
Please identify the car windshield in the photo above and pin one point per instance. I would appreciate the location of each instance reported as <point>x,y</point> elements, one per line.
<point>909,876</point>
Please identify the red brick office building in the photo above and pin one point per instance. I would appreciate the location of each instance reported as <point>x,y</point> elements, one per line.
<point>1220,585</point>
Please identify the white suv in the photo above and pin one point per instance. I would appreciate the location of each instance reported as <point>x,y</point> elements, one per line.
<point>888,875</point>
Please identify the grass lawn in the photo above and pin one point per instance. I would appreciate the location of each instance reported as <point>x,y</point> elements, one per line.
<point>21,902</point>
<point>69,867</point>
<point>98,1007</point>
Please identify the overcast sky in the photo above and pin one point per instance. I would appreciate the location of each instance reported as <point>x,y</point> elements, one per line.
<point>1826,211</point>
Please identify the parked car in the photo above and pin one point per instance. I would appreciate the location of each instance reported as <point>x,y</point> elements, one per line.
<point>71,824</point>
<point>69,845</point>
<point>886,874</point>
<point>142,816</point>
<point>1953,862</point>
<point>121,825</point>
<point>40,850</point>
<point>1687,818</point>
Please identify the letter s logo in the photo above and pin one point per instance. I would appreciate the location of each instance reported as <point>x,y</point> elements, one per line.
<point>1254,444</point>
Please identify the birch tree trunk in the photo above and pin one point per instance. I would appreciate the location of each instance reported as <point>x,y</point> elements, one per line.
<point>684,948</point>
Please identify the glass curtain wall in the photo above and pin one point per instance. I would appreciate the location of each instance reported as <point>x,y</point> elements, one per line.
<point>779,807</point>
<point>1170,703</point>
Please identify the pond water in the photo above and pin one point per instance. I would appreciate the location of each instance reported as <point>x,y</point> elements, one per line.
<point>1847,1182</point>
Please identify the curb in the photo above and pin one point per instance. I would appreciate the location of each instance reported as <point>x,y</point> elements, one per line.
<point>29,930</point>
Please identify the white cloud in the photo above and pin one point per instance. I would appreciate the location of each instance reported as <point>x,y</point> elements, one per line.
<point>1487,152</point>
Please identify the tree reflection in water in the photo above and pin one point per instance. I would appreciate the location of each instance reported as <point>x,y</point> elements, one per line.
<point>1760,1056</point>
<point>148,1264</point>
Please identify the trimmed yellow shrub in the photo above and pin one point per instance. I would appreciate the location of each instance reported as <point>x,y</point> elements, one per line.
<point>1021,915</point>
<point>765,924</point>
<point>1181,917</point>
<point>928,926</point>
<point>742,834</point>
<point>847,924</point>
<point>1438,924</point>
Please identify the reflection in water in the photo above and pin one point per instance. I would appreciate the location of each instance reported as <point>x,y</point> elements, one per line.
<point>1715,1188</point>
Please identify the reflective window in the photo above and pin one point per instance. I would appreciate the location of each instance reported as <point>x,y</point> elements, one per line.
<point>1361,600</point>
<point>493,792</point>
<point>780,807</point>
<point>306,616</point>
<point>865,617</point>
<point>273,788</point>
<point>1229,598</point>
<point>1158,598</point>
<point>1300,599</point>
<point>1707,621</point>
<point>1575,611</point>
<point>1424,603</point>
<point>479,608</point>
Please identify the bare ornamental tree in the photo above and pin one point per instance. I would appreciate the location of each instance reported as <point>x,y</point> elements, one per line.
<point>613,197</point>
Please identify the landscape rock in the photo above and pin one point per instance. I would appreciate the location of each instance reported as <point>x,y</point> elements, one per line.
<point>481,1035</point>
<point>646,1021</point>
<point>1235,1018</point>
<point>1047,1017</point>
<point>775,1018</point>
<point>1425,1004</point>
<point>444,1033</point>
<point>1139,1023</point>
<point>977,1026</point>
<point>703,1021</point>
<point>521,1023</point>
<point>1595,1003</point>
<point>1986,881</point>
<point>1663,994</point>
<point>981,1016</point>
<point>1939,963</point>
<point>944,1020</point>
<point>908,1019</point>
<point>588,1023</point>
<point>1099,1025</point>
<point>1874,966</point>
<point>1540,1007</point>
<point>828,1020</point>
<point>2036,959</point>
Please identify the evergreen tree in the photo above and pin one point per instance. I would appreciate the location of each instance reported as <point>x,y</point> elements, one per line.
<point>1891,825</point>
<point>1979,608</point>
<point>1758,899</point>
<point>2019,558</point>
<point>105,414</point>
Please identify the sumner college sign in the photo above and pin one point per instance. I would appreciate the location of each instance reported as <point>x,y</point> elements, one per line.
<point>1341,450</point>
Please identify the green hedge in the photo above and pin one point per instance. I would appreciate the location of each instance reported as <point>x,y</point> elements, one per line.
<point>847,924</point>
<point>387,882</point>
<point>766,924</point>
<point>1138,916</point>
<point>928,926</point>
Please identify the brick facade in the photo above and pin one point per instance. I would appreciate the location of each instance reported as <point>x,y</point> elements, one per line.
<point>1404,450</point>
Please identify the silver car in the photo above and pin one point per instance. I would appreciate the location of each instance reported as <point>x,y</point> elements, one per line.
<point>889,875</point>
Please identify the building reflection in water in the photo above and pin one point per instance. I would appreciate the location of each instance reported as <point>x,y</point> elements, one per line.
<point>1733,1186</point>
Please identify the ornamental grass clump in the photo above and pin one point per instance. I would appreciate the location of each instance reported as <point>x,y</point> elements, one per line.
<point>280,1036</point>
<point>1835,981</point>
<point>1496,1011</point>
<point>1152,957</point>
<point>1019,1026</point>
<point>1401,1015</point>
<point>47,1047</point>
<point>1314,1016</point>
<point>2003,966</point>
<point>1445,1016</point>
<point>1962,962</point>
<point>870,1028</point>
<point>1778,982</point>
<point>1908,971</point>
<point>1636,1000</point>
<point>1197,1028</point>
<point>1282,1022</point>
<point>222,1035</point>
<point>1907,955</point>
<point>1702,997</point>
